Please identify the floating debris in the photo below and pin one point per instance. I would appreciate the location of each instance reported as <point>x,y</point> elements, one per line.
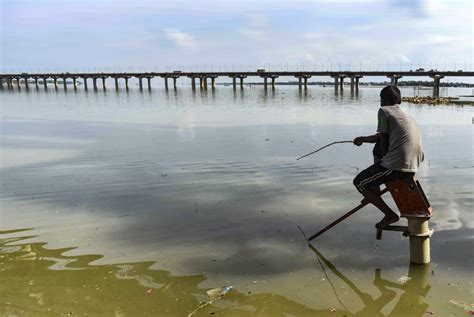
<point>404,279</point>
<point>218,292</point>
<point>436,100</point>
<point>461,304</point>
<point>214,294</point>
<point>149,291</point>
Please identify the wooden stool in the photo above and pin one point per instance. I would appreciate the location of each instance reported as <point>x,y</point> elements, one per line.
<point>413,205</point>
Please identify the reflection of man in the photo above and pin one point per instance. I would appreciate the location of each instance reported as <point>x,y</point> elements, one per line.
<point>410,303</point>
<point>398,152</point>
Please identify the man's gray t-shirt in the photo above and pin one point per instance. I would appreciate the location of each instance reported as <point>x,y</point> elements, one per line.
<point>405,152</point>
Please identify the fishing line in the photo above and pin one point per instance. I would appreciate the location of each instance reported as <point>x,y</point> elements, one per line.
<point>324,270</point>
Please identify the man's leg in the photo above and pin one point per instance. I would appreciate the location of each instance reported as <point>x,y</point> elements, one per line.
<point>375,199</point>
<point>368,184</point>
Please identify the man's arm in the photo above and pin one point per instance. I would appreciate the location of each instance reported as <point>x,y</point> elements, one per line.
<point>382,137</point>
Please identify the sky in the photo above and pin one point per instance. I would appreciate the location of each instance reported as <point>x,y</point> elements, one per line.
<point>230,34</point>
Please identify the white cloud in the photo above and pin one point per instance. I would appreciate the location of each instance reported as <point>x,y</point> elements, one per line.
<point>252,34</point>
<point>255,28</point>
<point>404,59</point>
<point>180,39</point>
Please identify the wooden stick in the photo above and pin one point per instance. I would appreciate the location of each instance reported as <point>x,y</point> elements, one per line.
<point>323,148</point>
<point>340,219</point>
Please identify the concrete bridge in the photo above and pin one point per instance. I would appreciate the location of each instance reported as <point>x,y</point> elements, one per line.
<point>8,81</point>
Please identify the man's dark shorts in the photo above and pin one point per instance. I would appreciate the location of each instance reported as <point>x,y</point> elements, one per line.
<point>376,175</point>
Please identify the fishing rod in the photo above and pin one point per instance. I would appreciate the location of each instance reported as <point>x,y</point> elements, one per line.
<point>337,142</point>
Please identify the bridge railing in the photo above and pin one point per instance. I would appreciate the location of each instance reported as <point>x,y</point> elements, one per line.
<point>290,67</point>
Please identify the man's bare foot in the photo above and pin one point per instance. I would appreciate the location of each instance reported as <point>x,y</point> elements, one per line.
<point>386,221</point>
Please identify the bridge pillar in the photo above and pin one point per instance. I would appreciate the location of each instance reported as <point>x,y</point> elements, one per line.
<point>10,81</point>
<point>204,82</point>
<point>74,82</point>
<point>1,83</point>
<point>149,82</point>
<point>36,83</point>
<point>273,82</point>
<point>85,83</point>
<point>64,83</point>
<point>213,82</point>
<point>436,81</point>
<point>55,80</point>
<point>26,83</point>
<point>242,82</point>
<point>166,83</point>
<point>234,83</point>
<point>45,83</point>
<point>265,82</point>
<point>140,84</point>
<point>94,82</point>
<point>341,82</point>
<point>394,79</point>
<point>103,83</point>
<point>18,83</point>
<point>126,82</point>
<point>336,83</point>
<point>303,80</point>
<point>357,82</point>
<point>116,83</point>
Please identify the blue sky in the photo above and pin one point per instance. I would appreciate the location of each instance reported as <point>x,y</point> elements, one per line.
<point>56,34</point>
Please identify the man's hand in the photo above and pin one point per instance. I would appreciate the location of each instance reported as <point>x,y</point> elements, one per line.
<point>359,140</point>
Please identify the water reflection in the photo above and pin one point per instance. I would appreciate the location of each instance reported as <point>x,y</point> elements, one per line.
<point>411,302</point>
<point>121,174</point>
<point>36,279</point>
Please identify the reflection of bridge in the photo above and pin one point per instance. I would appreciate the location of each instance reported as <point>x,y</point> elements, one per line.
<point>269,77</point>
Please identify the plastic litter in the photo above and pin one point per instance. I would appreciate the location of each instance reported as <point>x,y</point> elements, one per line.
<point>461,304</point>
<point>218,292</point>
<point>214,295</point>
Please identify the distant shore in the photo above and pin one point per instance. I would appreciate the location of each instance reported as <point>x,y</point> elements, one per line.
<point>427,84</point>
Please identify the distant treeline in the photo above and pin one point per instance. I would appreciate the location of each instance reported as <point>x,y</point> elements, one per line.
<point>411,83</point>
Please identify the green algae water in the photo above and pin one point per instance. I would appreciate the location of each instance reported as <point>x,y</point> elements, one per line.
<point>138,204</point>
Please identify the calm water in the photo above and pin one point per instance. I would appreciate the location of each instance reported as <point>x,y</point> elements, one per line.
<point>133,204</point>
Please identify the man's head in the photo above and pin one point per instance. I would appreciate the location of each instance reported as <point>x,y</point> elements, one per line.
<point>390,96</point>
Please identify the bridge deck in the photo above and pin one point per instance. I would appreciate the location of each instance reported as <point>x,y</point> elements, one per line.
<point>257,74</point>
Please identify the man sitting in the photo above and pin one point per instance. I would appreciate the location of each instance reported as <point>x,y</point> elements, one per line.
<point>398,152</point>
